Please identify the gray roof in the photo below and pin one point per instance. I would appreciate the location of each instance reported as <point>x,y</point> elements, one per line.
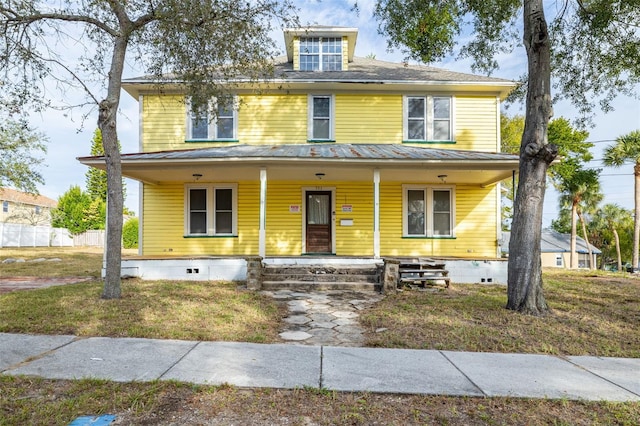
<point>373,70</point>
<point>555,242</point>
<point>364,70</point>
<point>324,151</point>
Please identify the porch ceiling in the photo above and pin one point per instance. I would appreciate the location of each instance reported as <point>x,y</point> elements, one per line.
<point>353,163</point>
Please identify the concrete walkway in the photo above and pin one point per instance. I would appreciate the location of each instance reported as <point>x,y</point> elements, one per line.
<point>327,367</point>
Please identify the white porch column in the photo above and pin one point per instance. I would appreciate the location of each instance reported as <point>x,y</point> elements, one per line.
<point>376,214</point>
<point>262,233</point>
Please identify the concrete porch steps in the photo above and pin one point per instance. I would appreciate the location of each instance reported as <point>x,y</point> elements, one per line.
<point>310,285</point>
<point>321,277</point>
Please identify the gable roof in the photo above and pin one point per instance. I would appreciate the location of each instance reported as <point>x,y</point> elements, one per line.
<point>18,197</point>
<point>555,242</point>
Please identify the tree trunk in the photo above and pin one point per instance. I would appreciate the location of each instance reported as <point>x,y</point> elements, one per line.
<point>524,289</point>
<point>586,240</point>
<point>617,238</point>
<point>636,227</point>
<point>573,259</point>
<point>107,123</point>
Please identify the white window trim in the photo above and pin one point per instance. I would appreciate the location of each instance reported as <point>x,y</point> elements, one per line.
<point>320,53</point>
<point>212,133</point>
<point>429,121</point>
<point>332,121</point>
<point>210,188</point>
<point>429,210</point>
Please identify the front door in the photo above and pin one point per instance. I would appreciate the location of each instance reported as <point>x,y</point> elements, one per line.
<point>318,222</point>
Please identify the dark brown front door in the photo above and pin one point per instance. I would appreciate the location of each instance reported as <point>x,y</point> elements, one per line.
<point>318,224</point>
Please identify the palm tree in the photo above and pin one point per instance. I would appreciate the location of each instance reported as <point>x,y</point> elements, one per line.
<point>580,191</point>
<point>612,216</point>
<point>627,148</point>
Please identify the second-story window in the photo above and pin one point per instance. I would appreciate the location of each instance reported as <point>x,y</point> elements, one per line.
<point>321,118</point>
<point>428,118</point>
<point>218,121</point>
<point>5,207</point>
<point>321,54</point>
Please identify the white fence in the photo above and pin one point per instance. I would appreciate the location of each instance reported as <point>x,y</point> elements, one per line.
<point>93,238</point>
<point>19,235</point>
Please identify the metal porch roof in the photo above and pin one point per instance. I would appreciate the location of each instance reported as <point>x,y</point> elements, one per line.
<point>337,161</point>
<point>320,151</point>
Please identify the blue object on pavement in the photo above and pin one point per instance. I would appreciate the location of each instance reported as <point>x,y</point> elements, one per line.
<point>103,420</point>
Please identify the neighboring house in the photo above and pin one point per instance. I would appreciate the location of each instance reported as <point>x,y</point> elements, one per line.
<point>336,155</point>
<point>555,250</point>
<point>24,208</point>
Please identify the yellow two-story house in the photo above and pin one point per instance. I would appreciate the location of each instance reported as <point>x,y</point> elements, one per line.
<point>335,157</point>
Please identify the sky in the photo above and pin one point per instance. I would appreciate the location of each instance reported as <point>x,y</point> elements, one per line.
<point>68,139</point>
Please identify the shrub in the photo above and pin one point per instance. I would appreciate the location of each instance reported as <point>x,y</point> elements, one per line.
<point>130,233</point>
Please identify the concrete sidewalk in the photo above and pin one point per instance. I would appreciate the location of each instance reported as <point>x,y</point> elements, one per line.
<point>332,368</point>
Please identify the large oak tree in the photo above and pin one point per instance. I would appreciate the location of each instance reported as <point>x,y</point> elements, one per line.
<point>592,48</point>
<point>200,43</point>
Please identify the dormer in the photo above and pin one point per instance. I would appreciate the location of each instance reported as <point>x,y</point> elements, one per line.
<point>319,48</point>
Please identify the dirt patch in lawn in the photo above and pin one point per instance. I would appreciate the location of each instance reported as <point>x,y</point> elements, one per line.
<point>9,284</point>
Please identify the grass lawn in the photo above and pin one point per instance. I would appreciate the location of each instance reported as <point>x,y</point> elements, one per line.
<point>152,309</point>
<point>58,402</point>
<point>74,261</point>
<point>592,313</point>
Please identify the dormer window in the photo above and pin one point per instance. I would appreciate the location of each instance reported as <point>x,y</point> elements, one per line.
<point>320,54</point>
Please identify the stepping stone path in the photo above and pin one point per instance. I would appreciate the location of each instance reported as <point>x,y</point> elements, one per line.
<point>324,318</point>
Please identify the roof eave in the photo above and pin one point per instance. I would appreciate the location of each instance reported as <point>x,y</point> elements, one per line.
<point>502,89</point>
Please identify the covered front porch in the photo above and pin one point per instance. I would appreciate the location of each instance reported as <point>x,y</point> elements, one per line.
<point>368,201</point>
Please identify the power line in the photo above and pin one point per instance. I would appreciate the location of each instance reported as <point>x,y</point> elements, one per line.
<point>616,174</point>
<point>602,141</point>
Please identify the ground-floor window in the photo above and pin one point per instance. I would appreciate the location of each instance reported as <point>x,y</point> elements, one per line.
<point>211,210</point>
<point>559,260</point>
<point>583,260</point>
<point>428,211</point>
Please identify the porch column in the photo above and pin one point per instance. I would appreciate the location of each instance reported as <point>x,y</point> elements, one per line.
<point>262,233</point>
<point>376,214</point>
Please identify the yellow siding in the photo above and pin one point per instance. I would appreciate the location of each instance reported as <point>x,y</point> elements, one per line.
<point>356,240</point>
<point>164,223</point>
<point>476,225</point>
<point>284,229</point>
<point>273,119</point>
<point>368,118</point>
<point>277,118</point>
<point>163,123</point>
<point>476,123</point>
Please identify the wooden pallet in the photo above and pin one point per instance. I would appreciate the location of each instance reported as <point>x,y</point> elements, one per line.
<point>423,272</point>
